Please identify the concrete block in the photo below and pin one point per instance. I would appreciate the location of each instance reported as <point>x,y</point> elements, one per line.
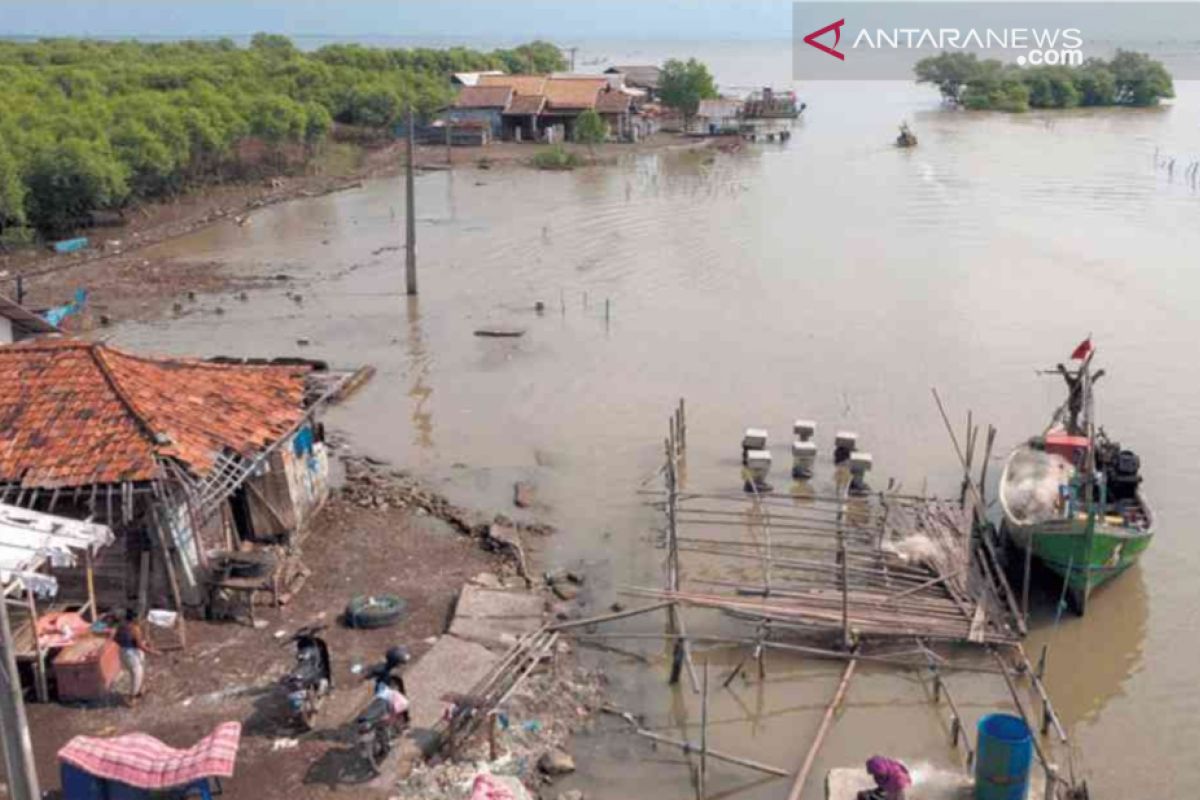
<point>477,602</point>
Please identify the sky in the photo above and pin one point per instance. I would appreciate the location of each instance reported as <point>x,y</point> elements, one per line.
<point>435,19</point>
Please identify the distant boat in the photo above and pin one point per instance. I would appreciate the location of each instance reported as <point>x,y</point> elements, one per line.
<point>1072,497</point>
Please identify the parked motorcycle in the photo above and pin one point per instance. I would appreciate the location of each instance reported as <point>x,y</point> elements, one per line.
<point>311,680</point>
<point>386,718</point>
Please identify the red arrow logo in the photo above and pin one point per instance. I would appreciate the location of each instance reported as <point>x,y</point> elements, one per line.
<point>836,27</point>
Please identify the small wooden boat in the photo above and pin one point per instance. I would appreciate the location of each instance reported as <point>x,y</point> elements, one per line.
<point>1072,497</point>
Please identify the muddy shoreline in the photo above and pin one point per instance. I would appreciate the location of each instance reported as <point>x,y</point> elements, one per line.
<point>123,284</point>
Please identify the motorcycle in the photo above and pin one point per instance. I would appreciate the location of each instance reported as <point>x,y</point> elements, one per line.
<point>386,718</point>
<point>311,680</point>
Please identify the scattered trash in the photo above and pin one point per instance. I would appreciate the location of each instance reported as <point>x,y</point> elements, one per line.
<point>284,744</point>
<point>162,618</point>
<point>259,624</point>
<point>356,669</point>
<point>279,634</point>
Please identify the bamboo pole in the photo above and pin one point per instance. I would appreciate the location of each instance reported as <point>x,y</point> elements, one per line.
<point>826,721</point>
<point>688,747</point>
<point>703,735</point>
<point>633,612</point>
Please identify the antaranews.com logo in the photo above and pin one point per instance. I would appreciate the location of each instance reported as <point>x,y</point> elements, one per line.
<point>883,40</point>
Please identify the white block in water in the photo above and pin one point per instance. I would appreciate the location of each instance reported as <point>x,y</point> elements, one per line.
<point>804,452</point>
<point>860,462</point>
<point>759,461</point>
<point>804,429</point>
<point>754,439</point>
<point>846,439</point>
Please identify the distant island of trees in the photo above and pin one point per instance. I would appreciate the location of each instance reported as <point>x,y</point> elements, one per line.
<point>87,125</point>
<point>1128,79</point>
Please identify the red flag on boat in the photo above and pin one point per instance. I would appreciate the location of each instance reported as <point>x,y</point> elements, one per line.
<point>1082,349</point>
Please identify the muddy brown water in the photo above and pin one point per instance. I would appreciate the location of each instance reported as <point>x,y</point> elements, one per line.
<point>836,278</point>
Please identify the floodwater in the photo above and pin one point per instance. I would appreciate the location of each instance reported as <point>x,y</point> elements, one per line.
<point>836,278</point>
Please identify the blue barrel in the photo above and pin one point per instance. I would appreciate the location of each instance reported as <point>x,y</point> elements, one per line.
<point>1003,757</point>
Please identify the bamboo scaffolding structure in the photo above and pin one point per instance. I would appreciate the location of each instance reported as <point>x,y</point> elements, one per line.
<point>826,721</point>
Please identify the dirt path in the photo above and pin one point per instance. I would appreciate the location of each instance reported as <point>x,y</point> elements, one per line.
<point>230,670</point>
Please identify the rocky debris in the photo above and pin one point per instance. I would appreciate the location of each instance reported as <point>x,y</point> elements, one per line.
<point>556,762</point>
<point>565,591</point>
<point>538,719</point>
<point>524,495</point>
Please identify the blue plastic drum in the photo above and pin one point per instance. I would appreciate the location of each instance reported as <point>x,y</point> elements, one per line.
<point>1003,758</point>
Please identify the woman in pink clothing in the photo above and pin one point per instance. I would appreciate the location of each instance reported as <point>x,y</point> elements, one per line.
<point>891,779</point>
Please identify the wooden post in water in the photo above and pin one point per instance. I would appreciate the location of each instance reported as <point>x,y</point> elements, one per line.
<point>1025,580</point>
<point>410,193</point>
<point>841,537</point>
<point>703,735</point>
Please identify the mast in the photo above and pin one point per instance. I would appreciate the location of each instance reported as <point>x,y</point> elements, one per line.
<point>1088,403</point>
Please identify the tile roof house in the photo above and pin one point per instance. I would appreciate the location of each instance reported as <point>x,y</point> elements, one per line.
<point>520,84</point>
<point>481,106</point>
<point>181,455</point>
<point>484,97</point>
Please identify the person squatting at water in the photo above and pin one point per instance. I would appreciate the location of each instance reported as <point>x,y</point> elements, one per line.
<point>891,779</point>
<point>134,647</point>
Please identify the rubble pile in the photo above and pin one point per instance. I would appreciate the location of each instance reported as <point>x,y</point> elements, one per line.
<point>536,724</point>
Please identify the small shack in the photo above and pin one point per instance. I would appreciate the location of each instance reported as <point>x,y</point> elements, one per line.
<point>185,460</point>
<point>18,323</point>
<point>479,106</point>
<point>32,546</point>
<point>718,117</point>
<point>645,77</point>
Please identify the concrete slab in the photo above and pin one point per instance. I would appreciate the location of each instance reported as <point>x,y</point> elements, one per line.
<point>928,784</point>
<point>495,618</point>
<point>479,603</point>
<point>495,634</point>
<point>451,666</point>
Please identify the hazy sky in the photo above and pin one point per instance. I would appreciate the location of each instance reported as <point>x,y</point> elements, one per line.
<point>488,19</point>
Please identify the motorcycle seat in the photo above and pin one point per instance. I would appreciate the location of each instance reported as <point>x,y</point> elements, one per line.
<point>377,710</point>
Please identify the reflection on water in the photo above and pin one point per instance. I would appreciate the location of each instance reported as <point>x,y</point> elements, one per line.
<point>837,279</point>
<point>419,391</point>
<point>1091,659</point>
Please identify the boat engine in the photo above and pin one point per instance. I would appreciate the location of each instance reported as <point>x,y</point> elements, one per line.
<point>1122,472</point>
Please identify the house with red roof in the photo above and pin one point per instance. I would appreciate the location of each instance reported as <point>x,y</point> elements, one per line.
<point>189,462</point>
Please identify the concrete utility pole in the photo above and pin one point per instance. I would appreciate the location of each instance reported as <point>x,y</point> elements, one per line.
<point>410,254</point>
<point>18,749</point>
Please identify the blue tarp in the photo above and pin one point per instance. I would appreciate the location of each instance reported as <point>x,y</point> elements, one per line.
<point>71,245</point>
<point>56,315</point>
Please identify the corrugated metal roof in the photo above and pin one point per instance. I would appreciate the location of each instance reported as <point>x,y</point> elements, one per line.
<point>484,97</point>
<point>24,318</point>
<point>30,539</point>
<point>646,76</point>
<point>719,108</point>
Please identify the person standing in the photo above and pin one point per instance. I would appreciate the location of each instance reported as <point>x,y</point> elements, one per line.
<point>134,647</point>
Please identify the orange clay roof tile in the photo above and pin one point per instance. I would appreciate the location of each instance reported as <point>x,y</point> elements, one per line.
<point>74,413</point>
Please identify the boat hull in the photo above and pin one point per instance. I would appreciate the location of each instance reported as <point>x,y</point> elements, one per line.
<point>1083,564</point>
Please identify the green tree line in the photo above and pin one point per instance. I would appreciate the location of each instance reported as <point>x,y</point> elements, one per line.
<point>1127,79</point>
<point>88,125</point>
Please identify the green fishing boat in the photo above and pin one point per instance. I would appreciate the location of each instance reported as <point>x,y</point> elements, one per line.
<point>1072,497</point>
